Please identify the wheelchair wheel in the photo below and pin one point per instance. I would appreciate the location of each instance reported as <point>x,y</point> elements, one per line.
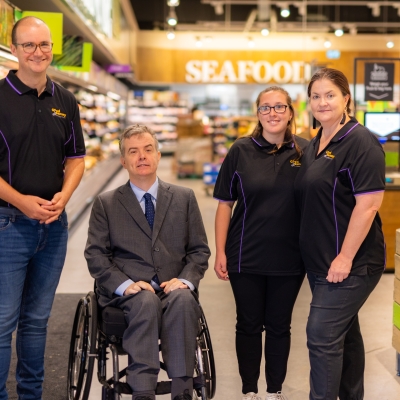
<point>82,351</point>
<point>205,365</point>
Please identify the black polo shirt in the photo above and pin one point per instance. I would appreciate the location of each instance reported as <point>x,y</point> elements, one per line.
<point>37,134</point>
<point>352,164</point>
<point>263,233</point>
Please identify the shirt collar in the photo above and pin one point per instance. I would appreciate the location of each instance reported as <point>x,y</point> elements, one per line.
<point>139,193</point>
<point>264,144</point>
<point>341,133</point>
<point>19,87</point>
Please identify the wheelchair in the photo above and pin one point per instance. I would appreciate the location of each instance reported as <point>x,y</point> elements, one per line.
<point>94,332</point>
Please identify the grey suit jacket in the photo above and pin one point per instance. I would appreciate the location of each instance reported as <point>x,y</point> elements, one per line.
<point>121,245</point>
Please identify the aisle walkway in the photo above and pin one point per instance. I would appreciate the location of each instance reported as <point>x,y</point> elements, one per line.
<point>381,382</point>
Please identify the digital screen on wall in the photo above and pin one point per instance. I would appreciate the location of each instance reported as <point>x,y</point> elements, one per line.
<point>6,23</point>
<point>386,126</point>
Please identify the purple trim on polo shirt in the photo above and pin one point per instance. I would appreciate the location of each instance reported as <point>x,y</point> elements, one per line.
<point>374,191</point>
<point>334,213</point>
<point>244,217</point>
<point>230,189</point>
<point>63,161</point>
<point>75,157</point>
<point>256,141</point>
<point>9,161</point>
<point>223,201</point>
<point>349,131</point>
<point>351,179</point>
<point>68,139</point>
<point>15,89</point>
<point>52,91</point>
<point>73,134</point>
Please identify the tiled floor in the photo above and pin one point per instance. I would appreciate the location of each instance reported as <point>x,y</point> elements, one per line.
<point>381,382</point>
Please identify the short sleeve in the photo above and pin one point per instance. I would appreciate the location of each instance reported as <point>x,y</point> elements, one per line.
<point>225,186</point>
<point>75,146</point>
<point>368,171</point>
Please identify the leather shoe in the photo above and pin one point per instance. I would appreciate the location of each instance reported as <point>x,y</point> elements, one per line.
<point>183,396</point>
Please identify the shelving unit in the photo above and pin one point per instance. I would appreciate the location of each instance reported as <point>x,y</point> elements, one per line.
<point>162,118</point>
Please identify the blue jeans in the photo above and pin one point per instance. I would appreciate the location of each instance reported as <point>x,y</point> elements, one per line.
<point>334,340</point>
<point>31,259</point>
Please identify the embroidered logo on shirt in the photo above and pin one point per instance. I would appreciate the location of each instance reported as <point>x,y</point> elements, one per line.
<point>58,113</point>
<point>328,154</point>
<point>295,163</point>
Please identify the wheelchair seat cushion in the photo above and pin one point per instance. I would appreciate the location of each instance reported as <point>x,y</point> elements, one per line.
<point>113,321</point>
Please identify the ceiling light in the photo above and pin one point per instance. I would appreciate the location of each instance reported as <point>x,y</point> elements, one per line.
<point>251,43</point>
<point>376,9</point>
<point>265,32</point>
<point>172,19</point>
<point>218,8</point>
<point>390,44</point>
<point>173,3</point>
<point>199,43</point>
<point>327,44</point>
<point>339,32</point>
<point>285,12</point>
<point>171,34</point>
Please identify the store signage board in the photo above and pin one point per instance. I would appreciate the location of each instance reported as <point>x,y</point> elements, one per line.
<point>87,55</point>
<point>379,81</point>
<point>55,22</point>
<point>118,68</point>
<point>210,71</point>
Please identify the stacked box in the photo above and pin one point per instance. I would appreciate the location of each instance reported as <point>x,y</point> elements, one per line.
<point>210,173</point>
<point>396,304</point>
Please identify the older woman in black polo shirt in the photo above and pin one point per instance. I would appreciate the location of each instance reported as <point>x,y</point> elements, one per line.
<point>258,244</point>
<point>340,189</point>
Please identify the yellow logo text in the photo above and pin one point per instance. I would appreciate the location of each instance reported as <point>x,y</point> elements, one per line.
<point>328,154</point>
<point>58,113</point>
<point>295,163</point>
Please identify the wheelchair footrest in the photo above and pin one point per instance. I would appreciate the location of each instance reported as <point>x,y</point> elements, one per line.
<point>163,387</point>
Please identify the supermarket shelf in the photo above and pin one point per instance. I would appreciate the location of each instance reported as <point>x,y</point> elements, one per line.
<point>93,182</point>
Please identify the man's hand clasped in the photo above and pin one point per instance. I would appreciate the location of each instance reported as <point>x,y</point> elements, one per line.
<point>168,286</point>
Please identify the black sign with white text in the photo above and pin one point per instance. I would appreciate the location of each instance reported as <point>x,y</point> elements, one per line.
<point>379,80</point>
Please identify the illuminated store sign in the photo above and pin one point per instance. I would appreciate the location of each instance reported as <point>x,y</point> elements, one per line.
<point>210,71</point>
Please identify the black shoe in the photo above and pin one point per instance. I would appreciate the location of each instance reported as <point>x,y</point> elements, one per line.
<point>143,398</point>
<point>183,396</point>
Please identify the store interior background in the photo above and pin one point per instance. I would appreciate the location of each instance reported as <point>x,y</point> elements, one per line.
<point>140,75</point>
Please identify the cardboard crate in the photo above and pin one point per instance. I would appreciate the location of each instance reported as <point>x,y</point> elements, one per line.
<point>398,241</point>
<point>396,339</point>
<point>396,296</point>
<point>397,265</point>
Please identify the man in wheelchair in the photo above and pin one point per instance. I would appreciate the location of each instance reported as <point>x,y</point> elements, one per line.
<point>147,250</point>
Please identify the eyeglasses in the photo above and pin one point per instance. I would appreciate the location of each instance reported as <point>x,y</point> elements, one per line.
<point>30,48</point>
<point>279,109</point>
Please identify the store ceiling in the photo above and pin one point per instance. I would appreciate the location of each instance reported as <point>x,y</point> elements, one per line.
<point>354,17</point>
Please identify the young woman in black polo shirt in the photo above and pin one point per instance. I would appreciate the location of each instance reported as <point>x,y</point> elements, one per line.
<point>258,245</point>
<point>340,189</point>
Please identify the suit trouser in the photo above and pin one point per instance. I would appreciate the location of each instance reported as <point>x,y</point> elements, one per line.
<point>171,317</point>
<point>334,340</point>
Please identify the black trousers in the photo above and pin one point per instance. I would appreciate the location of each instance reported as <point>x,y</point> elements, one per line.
<point>263,303</point>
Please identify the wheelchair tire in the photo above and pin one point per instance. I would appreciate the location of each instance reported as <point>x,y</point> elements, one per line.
<point>82,351</point>
<point>205,364</point>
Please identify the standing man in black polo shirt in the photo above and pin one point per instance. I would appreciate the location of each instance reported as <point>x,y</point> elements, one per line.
<point>41,164</point>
